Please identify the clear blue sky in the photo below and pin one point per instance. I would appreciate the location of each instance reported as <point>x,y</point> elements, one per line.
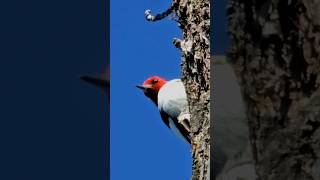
<point>142,147</point>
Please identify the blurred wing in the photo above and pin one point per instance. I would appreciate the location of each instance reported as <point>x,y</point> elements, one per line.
<point>230,124</point>
<point>99,80</point>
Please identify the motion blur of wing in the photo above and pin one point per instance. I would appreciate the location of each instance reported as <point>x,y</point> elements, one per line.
<point>100,80</point>
<point>233,156</point>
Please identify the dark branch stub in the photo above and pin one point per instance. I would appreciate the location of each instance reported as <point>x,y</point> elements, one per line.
<point>160,16</point>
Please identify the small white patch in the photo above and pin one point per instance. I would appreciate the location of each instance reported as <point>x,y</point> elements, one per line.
<point>182,117</point>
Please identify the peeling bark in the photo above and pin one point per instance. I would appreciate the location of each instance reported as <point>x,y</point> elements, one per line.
<point>275,54</point>
<point>194,19</point>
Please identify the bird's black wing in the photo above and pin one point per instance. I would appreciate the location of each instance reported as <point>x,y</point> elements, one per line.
<point>165,118</point>
<point>183,131</point>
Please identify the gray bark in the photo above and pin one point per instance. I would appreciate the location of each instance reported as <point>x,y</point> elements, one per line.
<point>275,54</point>
<point>194,19</point>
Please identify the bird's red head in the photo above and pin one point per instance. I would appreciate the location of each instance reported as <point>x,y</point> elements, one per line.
<point>154,83</point>
<point>152,86</point>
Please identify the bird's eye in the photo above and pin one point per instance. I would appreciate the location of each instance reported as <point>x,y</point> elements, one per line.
<point>154,81</point>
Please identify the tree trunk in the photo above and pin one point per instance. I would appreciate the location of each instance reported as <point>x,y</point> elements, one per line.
<point>194,19</point>
<point>275,53</point>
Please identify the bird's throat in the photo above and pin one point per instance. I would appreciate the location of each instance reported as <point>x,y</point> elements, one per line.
<point>153,96</point>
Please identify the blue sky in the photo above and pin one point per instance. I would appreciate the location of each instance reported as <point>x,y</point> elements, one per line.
<point>219,36</point>
<point>142,147</point>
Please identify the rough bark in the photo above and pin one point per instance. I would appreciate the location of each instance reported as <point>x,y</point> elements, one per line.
<point>275,54</point>
<point>194,19</point>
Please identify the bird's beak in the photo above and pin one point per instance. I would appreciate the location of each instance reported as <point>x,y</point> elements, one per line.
<point>143,87</point>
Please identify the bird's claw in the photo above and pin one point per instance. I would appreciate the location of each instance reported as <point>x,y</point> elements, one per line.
<point>183,117</point>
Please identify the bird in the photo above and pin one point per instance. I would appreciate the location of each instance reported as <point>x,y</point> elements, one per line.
<point>171,99</point>
<point>230,129</point>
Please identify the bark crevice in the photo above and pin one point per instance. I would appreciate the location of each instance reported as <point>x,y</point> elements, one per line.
<point>275,53</point>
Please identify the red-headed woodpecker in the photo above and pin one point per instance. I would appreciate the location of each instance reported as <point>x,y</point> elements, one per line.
<point>231,134</point>
<point>171,99</point>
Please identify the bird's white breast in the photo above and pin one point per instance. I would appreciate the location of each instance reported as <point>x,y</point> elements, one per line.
<point>172,98</point>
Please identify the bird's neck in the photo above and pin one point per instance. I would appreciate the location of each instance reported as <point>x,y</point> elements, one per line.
<point>155,100</point>
<point>153,96</point>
